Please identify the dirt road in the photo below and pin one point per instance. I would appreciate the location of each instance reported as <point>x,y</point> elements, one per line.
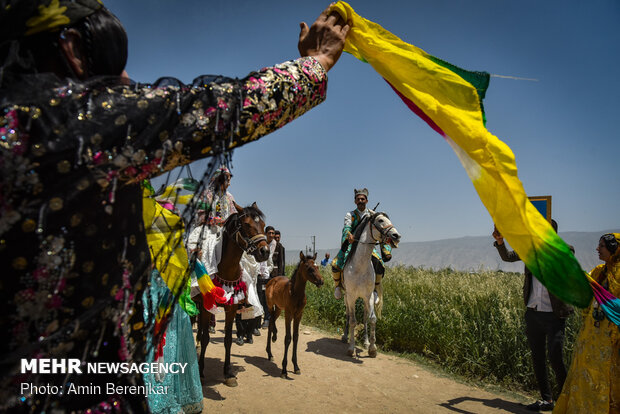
<point>332,382</point>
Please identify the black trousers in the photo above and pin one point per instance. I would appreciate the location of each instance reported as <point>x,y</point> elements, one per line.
<point>245,327</point>
<point>260,288</point>
<point>545,334</point>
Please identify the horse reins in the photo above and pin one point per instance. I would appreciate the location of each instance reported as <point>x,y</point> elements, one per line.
<point>382,232</point>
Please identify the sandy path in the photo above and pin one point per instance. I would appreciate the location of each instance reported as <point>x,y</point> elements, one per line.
<point>332,382</point>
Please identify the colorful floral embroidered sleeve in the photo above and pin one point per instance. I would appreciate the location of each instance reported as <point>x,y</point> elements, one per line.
<point>72,156</point>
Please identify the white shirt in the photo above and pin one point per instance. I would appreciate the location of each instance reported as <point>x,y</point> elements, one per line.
<point>265,268</point>
<point>348,218</point>
<point>539,297</point>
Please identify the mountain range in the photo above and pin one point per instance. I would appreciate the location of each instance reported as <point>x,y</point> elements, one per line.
<point>474,253</point>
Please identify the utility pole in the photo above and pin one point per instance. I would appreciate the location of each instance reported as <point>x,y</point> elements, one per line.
<point>313,244</point>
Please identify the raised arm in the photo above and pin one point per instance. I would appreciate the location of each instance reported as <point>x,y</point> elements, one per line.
<point>324,39</point>
<point>507,256</point>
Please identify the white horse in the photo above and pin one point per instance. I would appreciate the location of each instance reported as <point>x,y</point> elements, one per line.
<point>358,277</point>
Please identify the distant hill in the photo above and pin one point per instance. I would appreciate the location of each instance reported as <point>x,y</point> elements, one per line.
<point>474,253</point>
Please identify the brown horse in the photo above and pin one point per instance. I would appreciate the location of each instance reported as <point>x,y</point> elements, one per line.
<point>243,231</point>
<point>290,296</point>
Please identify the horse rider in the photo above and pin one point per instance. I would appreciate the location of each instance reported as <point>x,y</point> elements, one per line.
<point>351,221</point>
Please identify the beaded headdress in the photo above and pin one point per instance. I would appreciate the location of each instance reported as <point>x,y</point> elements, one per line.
<point>21,18</point>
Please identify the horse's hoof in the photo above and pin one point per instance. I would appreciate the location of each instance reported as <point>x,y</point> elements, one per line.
<point>350,352</point>
<point>271,358</point>
<point>274,339</point>
<point>231,382</point>
<point>298,372</point>
<point>372,353</point>
<point>283,375</point>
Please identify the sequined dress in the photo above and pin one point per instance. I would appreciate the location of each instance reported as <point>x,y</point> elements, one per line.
<point>72,242</point>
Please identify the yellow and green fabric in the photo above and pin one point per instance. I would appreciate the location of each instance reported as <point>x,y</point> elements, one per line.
<point>164,235</point>
<point>449,99</point>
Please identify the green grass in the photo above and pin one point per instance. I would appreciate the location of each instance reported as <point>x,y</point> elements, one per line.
<point>470,325</point>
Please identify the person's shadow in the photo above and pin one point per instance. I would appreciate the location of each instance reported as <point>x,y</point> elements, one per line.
<point>511,407</point>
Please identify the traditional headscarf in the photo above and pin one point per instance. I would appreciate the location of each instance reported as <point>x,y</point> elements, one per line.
<point>222,170</point>
<point>215,206</point>
<point>611,241</point>
<point>21,18</point>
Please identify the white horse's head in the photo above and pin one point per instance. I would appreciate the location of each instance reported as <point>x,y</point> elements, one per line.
<point>383,230</point>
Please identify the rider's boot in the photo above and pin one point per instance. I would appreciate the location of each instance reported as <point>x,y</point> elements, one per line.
<point>337,275</point>
<point>378,293</point>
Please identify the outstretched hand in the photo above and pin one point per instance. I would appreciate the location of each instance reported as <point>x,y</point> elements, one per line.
<point>324,40</point>
<point>498,236</point>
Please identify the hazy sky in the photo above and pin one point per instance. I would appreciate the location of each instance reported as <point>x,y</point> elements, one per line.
<point>562,127</point>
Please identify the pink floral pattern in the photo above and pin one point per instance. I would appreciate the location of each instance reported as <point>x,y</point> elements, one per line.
<point>71,160</point>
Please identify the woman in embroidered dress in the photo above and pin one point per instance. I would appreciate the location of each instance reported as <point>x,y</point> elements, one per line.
<point>217,204</point>
<point>76,141</point>
<point>593,381</point>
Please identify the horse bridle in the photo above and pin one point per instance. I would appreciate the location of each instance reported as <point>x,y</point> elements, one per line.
<point>383,232</point>
<point>251,243</point>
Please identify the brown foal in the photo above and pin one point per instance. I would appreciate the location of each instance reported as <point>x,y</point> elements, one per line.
<point>290,296</point>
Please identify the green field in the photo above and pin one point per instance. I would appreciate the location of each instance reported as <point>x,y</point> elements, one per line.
<point>470,324</point>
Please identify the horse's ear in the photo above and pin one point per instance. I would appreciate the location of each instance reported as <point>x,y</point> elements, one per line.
<point>314,257</point>
<point>238,207</point>
<point>254,205</point>
<point>301,255</point>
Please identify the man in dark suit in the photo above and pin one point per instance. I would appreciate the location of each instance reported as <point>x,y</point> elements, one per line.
<point>278,257</point>
<point>545,320</point>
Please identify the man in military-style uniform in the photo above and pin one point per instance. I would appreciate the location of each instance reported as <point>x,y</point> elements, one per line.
<point>351,220</point>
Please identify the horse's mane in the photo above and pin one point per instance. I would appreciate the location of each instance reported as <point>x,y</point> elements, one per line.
<point>249,210</point>
<point>359,229</point>
<point>254,212</point>
<point>356,235</point>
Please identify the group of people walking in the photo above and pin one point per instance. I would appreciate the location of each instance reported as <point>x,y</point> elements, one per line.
<point>216,205</point>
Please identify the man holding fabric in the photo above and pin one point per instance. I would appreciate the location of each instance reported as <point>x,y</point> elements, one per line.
<point>545,320</point>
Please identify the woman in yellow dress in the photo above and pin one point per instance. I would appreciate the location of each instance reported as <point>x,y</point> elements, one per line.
<point>593,381</point>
